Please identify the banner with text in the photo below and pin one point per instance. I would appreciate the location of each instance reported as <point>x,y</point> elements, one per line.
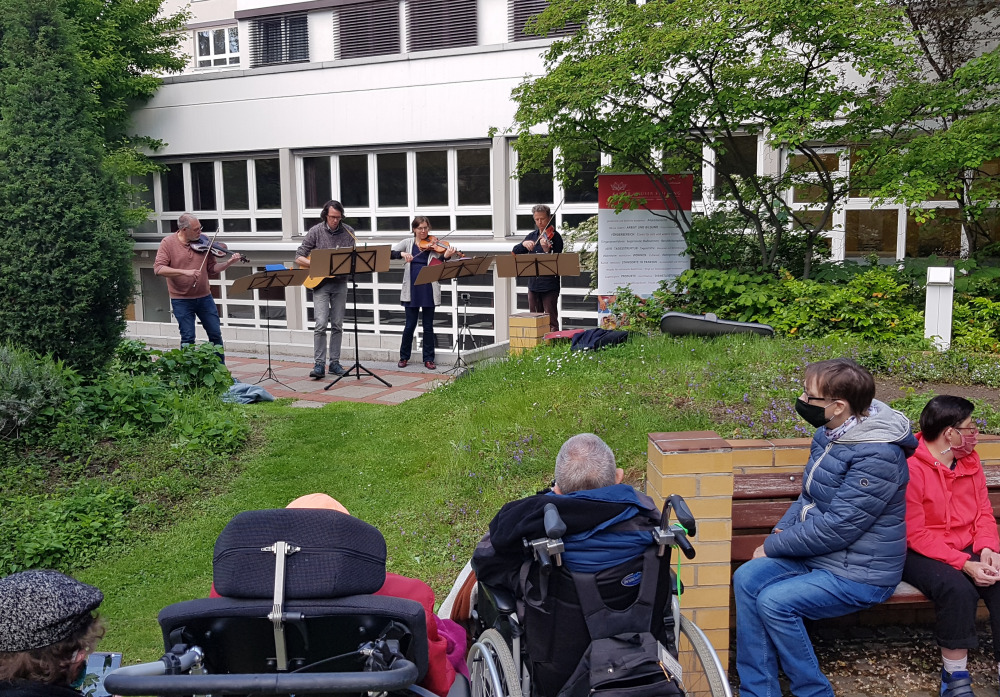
<point>640,248</point>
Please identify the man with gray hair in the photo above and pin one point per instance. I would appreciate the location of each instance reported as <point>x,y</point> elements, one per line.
<point>607,522</point>
<point>187,274</point>
<point>543,291</point>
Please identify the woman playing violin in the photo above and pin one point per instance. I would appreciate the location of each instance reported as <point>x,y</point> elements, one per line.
<point>543,291</point>
<point>417,251</point>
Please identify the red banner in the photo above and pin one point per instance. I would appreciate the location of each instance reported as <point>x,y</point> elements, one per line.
<point>640,186</point>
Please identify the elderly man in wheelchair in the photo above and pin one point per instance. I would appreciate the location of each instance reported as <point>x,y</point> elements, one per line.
<point>576,596</point>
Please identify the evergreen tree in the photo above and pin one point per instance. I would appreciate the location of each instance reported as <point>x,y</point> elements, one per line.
<point>65,276</point>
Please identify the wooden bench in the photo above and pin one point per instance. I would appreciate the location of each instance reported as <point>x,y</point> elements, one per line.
<point>760,499</point>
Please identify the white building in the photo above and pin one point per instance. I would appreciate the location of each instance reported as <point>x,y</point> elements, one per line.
<point>388,106</point>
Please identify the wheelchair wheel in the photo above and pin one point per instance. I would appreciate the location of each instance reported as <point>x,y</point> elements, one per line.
<point>703,675</point>
<point>491,667</point>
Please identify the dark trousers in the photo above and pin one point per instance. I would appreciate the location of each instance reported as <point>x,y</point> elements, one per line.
<point>547,303</point>
<point>955,597</point>
<point>411,326</point>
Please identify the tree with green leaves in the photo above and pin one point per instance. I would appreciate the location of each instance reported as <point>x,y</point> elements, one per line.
<point>670,86</point>
<point>65,272</point>
<point>942,142</point>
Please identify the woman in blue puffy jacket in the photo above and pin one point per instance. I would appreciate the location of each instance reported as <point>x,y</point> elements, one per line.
<point>841,545</point>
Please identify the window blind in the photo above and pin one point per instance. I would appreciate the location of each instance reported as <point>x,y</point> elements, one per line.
<point>518,13</point>
<point>437,24</point>
<point>279,39</point>
<point>368,29</point>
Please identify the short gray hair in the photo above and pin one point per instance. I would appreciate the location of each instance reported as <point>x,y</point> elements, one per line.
<point>185,220</point>
<point>541,208</point>
<point>584,462</point>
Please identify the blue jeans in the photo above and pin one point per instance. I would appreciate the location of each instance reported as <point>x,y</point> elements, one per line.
<point>185,310</point>
<point>411,326</point>
<point>773,596</point>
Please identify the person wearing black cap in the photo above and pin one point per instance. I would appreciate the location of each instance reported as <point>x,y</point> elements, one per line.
<point>47,630</point>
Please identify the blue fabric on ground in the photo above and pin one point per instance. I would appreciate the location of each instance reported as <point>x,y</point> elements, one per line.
<point>242,393</point>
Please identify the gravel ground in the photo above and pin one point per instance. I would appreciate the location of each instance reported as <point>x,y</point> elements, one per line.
<point>891,661</point>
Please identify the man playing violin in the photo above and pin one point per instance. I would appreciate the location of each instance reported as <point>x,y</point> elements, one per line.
<point>187,273</point>
<point>543,291</point>
<point>418,251</point>
<point>330,296</point>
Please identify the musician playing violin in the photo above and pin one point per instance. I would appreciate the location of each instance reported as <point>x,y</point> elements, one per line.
<point>418,251</point>
<point>543,291</point>
<point>187,273</point>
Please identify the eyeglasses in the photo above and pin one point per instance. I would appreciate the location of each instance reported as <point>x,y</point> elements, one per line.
<point>810,399</point>
<point>973,430</point>
<point>334,216</point>
<point>423,228</point>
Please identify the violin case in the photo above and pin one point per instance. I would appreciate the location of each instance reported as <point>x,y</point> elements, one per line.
<point>683,324</point>
<point>337,555</point>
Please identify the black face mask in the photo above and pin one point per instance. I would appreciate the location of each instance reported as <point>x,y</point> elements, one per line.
<point>813,414</point>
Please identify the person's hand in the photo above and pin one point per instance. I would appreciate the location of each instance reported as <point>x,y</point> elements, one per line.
<point>759,552</point>
<point>980,573</point>
<point>545,242</point>
<point>450,252</point>
<point>991,559</point>
<point>233,259</point>
<point>407,257</point>
<point>194,275</point>
<point>529,245</point>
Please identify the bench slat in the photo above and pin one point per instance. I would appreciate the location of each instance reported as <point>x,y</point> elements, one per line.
<point>757,514</point>
<point>766,485</point>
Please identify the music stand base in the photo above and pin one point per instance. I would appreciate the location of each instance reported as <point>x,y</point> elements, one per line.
<point>269,375</point>
<point>355,371</point>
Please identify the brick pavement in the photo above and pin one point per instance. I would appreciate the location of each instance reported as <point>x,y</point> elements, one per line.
<point>407,383</point>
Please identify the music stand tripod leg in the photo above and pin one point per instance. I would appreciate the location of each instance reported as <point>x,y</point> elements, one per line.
<point>269,373</point>
<point>464,331</point>
<point>357,369</point>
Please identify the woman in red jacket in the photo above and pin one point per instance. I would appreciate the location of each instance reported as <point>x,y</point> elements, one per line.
<point>952,535</point>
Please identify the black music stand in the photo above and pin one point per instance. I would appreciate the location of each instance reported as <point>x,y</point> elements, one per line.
<point>457,268</point>
<point>265,280</point>
<point>527,265</point>
<point>350,261</point>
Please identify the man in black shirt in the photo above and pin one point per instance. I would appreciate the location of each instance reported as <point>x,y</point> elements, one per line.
<point>543,291</point>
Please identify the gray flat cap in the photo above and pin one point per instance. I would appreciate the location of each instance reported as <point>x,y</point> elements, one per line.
<point>40,608</point>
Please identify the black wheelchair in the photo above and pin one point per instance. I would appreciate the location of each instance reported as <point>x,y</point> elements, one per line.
<point>508,660</point>
<point>298,617</point>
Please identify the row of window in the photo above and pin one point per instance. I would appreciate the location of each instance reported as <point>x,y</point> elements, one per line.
<point>364,29</point>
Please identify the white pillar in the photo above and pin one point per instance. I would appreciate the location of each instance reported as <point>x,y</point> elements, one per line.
<point>937,312</point>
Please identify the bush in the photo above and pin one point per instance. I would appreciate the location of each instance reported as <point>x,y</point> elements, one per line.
<point>193,367</point>
<point>30,387</point>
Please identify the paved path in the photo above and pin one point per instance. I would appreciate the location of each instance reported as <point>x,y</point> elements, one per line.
<point>407,383</point>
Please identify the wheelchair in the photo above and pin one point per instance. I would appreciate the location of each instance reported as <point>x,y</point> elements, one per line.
<point>298,617</point>
<point>503,660</point>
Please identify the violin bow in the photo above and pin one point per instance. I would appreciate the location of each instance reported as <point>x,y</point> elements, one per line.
<point>207,253</point>
<point>552,216</point>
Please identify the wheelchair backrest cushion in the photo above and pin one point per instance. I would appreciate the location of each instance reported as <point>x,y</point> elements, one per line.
<point>338,555</point>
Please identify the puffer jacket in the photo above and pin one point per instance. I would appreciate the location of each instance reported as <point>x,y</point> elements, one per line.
<point>850,518</point>
<point>948,510</point>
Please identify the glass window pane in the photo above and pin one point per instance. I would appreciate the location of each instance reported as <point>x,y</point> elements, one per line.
<point>870,232</point>
<point>474,222</point>
<point>432,178</point>
<point>525,223</point>
<point>536,187</point>
<point>316,171</point>
<point>236,225</point>
<point>203,186</point>
<point>440,224</point>
<point>268,224</point>
<point>393,224</point>
<point>239,311</point>
<point>811,219</point>
<point>737,159</point>
<point>941,235</point>
<point>234,40</point>
<point>155,299</point>
<point>172,183</point>
<point>391,175</point>
<point>235,187</point>
<point>268,183</point>
<point>307,224</point>
<point>204,44</point>
<point>204,64</point>
<point>585,190</point>
<point>359,224</point>
<point>234,61</point>
<point>219,40</point>
<point>209,224</point>
<point>354,180</point>
<point>474,177</point>
<point>143,194</point>
<point>574,219</point>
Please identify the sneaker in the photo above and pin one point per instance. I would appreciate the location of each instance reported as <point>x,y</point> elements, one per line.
<point>957,684</point>
<point>317,372</point>
<point>336,368</point>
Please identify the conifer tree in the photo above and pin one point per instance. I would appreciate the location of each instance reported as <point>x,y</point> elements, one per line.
<point>65,277</point>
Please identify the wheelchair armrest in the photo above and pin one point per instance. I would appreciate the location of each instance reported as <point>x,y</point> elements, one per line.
<point>501,599</point>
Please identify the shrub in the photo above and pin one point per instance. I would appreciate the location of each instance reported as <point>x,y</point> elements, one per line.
<point>194,366</point>
<point>30,387</point>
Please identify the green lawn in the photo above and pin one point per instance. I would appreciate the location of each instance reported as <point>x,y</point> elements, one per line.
<point>431,472</point>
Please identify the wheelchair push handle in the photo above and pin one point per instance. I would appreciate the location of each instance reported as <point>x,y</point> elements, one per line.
<point>172,663</point>
<point>554,525</point>
<point>548,548</point>
<point>667,535</point>
<point>678,505</point>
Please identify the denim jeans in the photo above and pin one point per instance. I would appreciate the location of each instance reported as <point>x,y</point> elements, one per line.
<point>411,326</point>
<point>773,596</point>
<point>329,307</point>
<point>186,309</point>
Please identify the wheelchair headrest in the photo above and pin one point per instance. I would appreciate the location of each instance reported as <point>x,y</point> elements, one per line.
<point>338,555</point>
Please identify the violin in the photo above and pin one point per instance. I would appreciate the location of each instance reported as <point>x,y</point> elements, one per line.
<point>218,249</point>
<point>435,244</point>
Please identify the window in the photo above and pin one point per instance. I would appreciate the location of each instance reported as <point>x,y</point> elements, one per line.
<point>518,13</point>
<point>218,47</point>
<point>367,29</point>
<point>870,232</point>
<point>279,39</point>
<point>940,235</point>
<point>805,170</point>
<point>571,204</point>
<point>735,158</point>
<point>435,24</point>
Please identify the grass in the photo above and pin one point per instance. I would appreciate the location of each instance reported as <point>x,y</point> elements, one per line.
<point>431,472</point>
